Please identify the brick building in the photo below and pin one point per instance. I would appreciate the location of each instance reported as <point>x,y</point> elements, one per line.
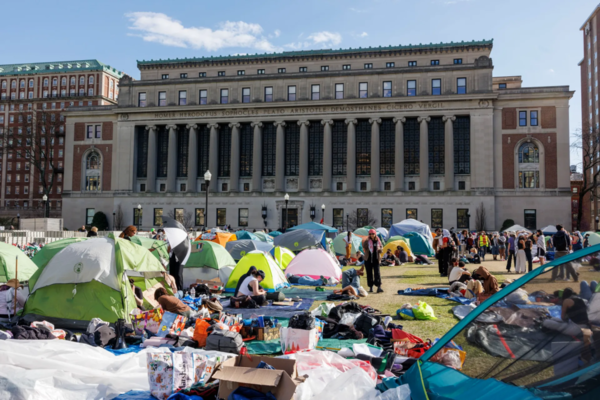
<point>32,92</point>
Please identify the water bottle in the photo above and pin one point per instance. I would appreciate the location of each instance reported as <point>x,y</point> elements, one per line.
<point>193,293</point>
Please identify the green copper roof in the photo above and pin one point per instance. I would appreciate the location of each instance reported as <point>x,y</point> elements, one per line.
<point>58,66</point>
<point>318,52</point>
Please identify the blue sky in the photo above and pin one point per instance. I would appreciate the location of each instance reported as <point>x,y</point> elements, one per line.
<point>538,39</point>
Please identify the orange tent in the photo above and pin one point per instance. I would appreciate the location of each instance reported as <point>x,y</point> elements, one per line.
<point>218,237</point>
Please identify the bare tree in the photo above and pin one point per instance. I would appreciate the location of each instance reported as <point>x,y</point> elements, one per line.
<point>587,142</point>
<point>356,220</point>
<point>186,219</point>
<point>118,219</point>
<point>480,218</point>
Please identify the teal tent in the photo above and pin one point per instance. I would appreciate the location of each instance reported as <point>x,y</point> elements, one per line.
<point>339,244</point>
<point>243,235</point>
<point>263,237</point>
<point>419,244</point>
<point>274,234</point>
<point>313,226</point>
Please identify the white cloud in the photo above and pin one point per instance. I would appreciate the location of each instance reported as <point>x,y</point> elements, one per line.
<point>322,39</point>
<point>551,70</point>
<point>160,28</point>
<point>277,32</point>
<point>364,34</point>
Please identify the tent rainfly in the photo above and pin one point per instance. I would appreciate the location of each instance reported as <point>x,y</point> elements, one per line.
<point>274,277</point>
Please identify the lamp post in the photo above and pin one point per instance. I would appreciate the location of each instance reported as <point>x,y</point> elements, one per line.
<point>312,213</point>
<point>45,200</point>
<point>597,220</point>
<point>286,198</point>
<point>139,216</point>
<point>323,214</point>
<point>114,218</point>
<point>18,221</point>
<point>347,222</point>
<point>207,176</point>
<point>468,222</point>
<point>264,214</point>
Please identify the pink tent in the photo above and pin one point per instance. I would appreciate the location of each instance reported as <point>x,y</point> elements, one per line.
<point>314,263</point>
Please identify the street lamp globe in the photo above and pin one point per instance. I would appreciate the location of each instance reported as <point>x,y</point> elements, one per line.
<point>139,206</point>
<point>286,197</point>
<point>207,175</point>
<point>323,207</point>
<point>45,198</point>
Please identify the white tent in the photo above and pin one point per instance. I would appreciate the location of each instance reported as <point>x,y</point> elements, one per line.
<point>516,228</point>
<point>411,225</point>
<point>550,229</point>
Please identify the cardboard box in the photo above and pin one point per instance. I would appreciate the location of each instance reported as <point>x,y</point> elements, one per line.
<point>242,371</point>
<point>213,285</point>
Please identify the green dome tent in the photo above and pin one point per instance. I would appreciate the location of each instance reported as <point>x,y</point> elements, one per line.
<point>263,237</point>
<point>46,253</point>
<point>282,256</point>
<point>161,247</point>
<point>339,244</point>
<point>8,256</point>
<point>208,260</point>
<point>397,237</point>
<point>89,279</point>
<point>274,277</point>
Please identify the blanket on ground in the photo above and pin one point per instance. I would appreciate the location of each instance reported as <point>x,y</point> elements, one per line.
<point>271,311</point>
<point>442,293</point>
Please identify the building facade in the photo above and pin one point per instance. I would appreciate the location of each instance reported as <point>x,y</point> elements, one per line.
<point>34,90</point>
<point>421,132</point>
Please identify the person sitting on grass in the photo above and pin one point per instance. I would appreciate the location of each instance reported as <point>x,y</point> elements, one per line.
<point>250,287</point>
<point>351,283</point>
<point>389,259</point>
<point>459,274</point>
<point>401,254</point>
<point>473,257</point>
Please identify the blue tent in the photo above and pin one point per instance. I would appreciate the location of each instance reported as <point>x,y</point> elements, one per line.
<point>302,239</point>
<point>419,244</point>
<point>275,234</point>
<point>239,248</point>
<point>505,359</point>
<point>243,235</point>
<point>313,226</point>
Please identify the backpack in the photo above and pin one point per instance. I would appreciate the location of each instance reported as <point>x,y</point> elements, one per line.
<point>350,307</point>
<point>364,323</point>
<point>243,302</point>
<point>305,321</point>
<point>560,242</point>
<point>202,290</point>
<point>276,296</point>
<point>225,341</point>
<point>201,332</point>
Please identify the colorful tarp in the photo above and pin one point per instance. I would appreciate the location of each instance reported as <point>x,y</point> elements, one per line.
<point>218,237</point>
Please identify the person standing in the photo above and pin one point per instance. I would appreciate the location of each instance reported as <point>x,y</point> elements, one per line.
<point>511,252</point>
<point>502,246</point>
<point>484,243</point>
<point>372,247</point>
<point>562,246</point>
<point>529,240</point>
<point>541,247</point>
<point>348,241</point>
<point>495,247</point>
<point>521,257</point>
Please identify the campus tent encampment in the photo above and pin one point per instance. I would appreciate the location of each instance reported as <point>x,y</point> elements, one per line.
<point>383,232</point>
<point>314,226</point>
<point>89,279</point>
<point>518,357</point>
<point>274,277</point>
<point>274,234</point>
<point>207,261</point>
<point>46,253</point>
<point>282,256</point>
<point>396,237</point>
<point>314,263</point>
<point>419,244</point>
<point>363,233</point>
<point>159,247</point>
<point>411,225</point>
<point>239,248</point>
<point>245,235</point>
<point>549,230</point>
<point>393,245</point>
<point>8,257</point>
<point>263,237</point>
<point>218,237</point>
<point>516,228</point>
<point>339,244</point>
<point>301,239</point>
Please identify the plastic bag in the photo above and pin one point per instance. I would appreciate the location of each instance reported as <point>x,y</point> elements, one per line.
<point>424,311</point>
<point>160,374</point>
<point>348,319</point>
<point>452,359</point>
<point>323,310</point>
<point>355,384</point>
<point>406,313</point>
<point>400,393</point>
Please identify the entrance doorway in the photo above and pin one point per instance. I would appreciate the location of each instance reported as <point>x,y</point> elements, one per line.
<point>292,217</point>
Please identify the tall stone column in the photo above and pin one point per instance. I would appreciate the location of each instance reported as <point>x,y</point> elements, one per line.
<point>424,154</point>
<point>375,164</point>
<point>257,157</point>
<point>192,173</point>
<point>303,181</point>
<point>399,154</point>
<point>151,163</point>
<point>327,155</point>
<point>280,157</point>
<point>449,151</point>
<point>351,156</point>
<point>213,156</point>
<point>234,170</point>
<point>172,159</point>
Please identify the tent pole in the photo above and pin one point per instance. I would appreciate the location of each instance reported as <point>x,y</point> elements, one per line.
<point>17,286</point>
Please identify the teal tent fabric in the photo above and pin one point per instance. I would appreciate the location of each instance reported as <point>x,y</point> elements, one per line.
<point>241,235</point>
<point>419,244</point>
<point>264,347</point>
<point>336,344</point>
<point>313,226</point>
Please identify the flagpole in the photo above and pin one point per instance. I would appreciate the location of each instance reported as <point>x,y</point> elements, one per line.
<point>17,285</point>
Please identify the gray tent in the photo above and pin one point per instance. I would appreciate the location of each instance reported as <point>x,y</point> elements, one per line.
<point>239,248</point>
<point>301,239</point>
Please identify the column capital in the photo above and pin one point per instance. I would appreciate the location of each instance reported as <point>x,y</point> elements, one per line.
<point>351,121</point>
<point>255,124</point>
<point>374,120</point>
<point>151,127</point>
<point>235,125</point>
<point>279,123</point>
<point>399,119</point>
<point>426,119</point>
<point>327,122</point>
<point>305,123</point>
<point>171,127</point>
<point>211,126</point>
<point>191,126</point>
<point>446,118</point>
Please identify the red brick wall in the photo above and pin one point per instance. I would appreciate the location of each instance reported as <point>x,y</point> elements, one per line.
<point>508,157</point>
<point>107,131</point>
<point>509,118</point>
<point>549,117</point>
<point>106,151</point>
<point>79,135</point>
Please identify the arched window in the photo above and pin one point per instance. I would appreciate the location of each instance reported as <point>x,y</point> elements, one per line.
<point>72,80</point>
<point>22,83</point>
<point>54,81</point>
<point>45,81</point>
<point>93,172</point>
<point>529,166</point>
<point>81,80</point>
<point>91,81</point>
<point>63,81</point>
<point>13,84</point>
<point>31,83</point>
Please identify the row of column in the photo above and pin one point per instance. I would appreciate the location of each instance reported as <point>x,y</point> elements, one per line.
<point>303,186</point>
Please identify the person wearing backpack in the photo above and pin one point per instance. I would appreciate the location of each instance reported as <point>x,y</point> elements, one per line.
<point>562,247</point>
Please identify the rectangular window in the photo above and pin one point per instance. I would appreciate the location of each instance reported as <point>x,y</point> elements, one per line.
<point>162,187</point>
<point>162,99</point>
<point>201,74</point>
<point>412,63</point>
<point>315,92</point>
<point>387,186</point>
<point>268,94</point>
<point>436,87</point>
<point>411,88</point>
<point>346,67</point>
<point>522,118</point>
<point>324,67</point>
<point>182,97</point>
<point>158,214</point>
<point>339,186</point>
<point>260,71</point>
<point>363,186</point>
<point>436,185</point>
<point>437,218</point>
<point>142,187</point>
<point>221,216</point>
<point>362,216</point>
<point>183,187</point>
<point>98,132</point>
<point>462,185</point>
<point>411,186</point>
<point>368,66</point>
<point>386,217</point>
<point>243,217</point>
<point>461,85</point>
<point>435,62</point>
<point>502,86</point>
<point>240,72</point>
<point>165,76</point>
<point>462,218</point>
<point>533,118</point>
<point>246,187</point>
<point>141,99</point>
<point>291,93</point>
<point>458,61</point>
<point>390,65</point>
<point>179,214</point>
<point>339,91</point>
<point>224,187</point>
<point>303,69</point>
<point>183,76</point>
<point>204,97</point>
<point>221,73</point>
<point>89,215</point>
<point>199,217</point>
<point>224,96</point>
<point>387,89</point>
<point>90,132</point>
<point>363,91</point>
<point>338,217</point>
<point>530,219</point>
<point>281,70</point>
<point>246,95</point>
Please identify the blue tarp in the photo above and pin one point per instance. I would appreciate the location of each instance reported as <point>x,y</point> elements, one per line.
<point>314,226</point>
<point>271,311</point>
<point>436,292</point>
